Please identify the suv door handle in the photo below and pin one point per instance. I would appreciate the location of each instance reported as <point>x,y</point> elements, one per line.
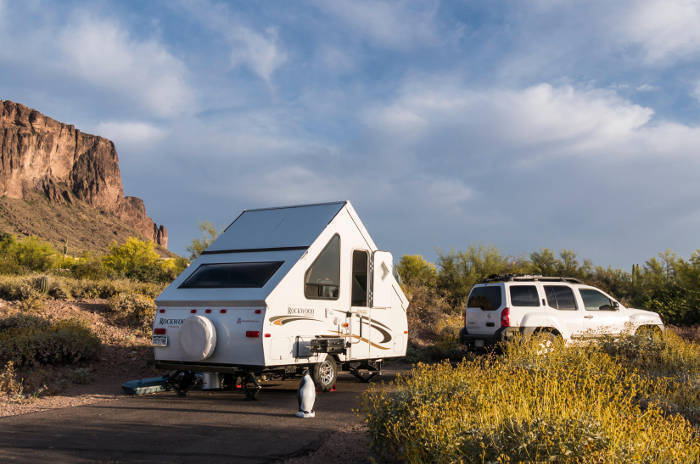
<point>588,317</point>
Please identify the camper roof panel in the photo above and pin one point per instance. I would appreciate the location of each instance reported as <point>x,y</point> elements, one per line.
<point>275,228</point>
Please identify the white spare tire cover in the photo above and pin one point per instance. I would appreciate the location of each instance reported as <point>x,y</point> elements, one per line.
<point>198,338</point>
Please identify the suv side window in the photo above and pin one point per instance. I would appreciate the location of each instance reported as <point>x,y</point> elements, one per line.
<point>593,300</point>
<point>560,297</point>
<point>524,295</point>
<point>487,298</point>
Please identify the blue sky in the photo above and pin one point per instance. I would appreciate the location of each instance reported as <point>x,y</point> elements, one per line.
<point>561,124</point>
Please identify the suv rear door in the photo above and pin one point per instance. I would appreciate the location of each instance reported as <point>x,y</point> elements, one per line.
<point>483,309</point>
<point>561,298</point>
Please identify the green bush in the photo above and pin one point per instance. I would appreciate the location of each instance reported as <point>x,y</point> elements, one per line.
<point>27,254</point>
<point>575,404</point>
<point>27,342</point>
<point>87,267</point>
<point>135,259</point>
<point>137,310</point>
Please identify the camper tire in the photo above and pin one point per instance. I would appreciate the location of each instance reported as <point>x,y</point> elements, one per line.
<point>325,374</point>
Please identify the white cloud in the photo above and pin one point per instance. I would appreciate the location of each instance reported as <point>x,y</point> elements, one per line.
<point>537,121</point>
<point>104,54</point>
<point>646,88</point>
<point>258,51</point>
<point>663,28</point>
<point>398,25</point>
<point>696,91</point>
<point>129,132</point>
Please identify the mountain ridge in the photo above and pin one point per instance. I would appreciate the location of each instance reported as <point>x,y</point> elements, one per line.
<point>70,169</point>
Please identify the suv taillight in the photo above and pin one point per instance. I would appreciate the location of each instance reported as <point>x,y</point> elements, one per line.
<point>464,316</point>
<point>505,317</point>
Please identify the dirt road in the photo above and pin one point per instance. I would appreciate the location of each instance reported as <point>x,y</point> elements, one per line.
<point>212,427</point>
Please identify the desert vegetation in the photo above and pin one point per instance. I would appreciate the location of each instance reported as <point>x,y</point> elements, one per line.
<point>41,349</point>
<point>632,400</point>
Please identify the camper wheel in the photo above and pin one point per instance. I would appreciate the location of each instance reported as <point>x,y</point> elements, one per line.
<point>181,381</point>
<point>325,374</point>
<point>251,387</point>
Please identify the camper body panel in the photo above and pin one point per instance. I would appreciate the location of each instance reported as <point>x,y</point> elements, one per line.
<point>294,319</point>
<point>281,313</point>
<point>233,346</point>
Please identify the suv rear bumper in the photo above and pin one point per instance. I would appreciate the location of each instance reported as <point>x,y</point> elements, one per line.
<point>501,335</point>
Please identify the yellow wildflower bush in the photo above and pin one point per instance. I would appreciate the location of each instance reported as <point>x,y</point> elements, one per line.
<point>578,404</point>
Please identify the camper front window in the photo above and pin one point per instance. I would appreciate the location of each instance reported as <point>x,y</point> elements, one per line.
<point>322,279</point>
<point>232,275</point>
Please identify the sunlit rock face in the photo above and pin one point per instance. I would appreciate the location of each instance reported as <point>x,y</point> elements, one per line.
<point>40,154</point>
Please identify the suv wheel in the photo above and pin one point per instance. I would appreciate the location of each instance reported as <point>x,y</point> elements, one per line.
<point>648,331</point>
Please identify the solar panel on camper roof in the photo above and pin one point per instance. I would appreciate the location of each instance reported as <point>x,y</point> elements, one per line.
<point>296,226</point>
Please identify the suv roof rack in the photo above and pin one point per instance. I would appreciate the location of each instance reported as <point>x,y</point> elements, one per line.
<point>528,278</point>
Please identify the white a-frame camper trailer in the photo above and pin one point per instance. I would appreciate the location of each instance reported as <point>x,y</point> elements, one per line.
<point>283,289</point>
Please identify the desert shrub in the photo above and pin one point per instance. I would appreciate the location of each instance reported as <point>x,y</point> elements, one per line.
<point>87,266</point>
<point>59,290</point>
<point>10,385</point>
<point>82,375</point>
<point>573,404</point>
<point>34,301</point>
<point>27,254</point>
<point>84,288</point>
<point>23,321</point>
<point>94,288</point>
<point>425,311</point>
<point>416,271</point>
<point>135,259</point>
<point>31,342</point>
<point>172,267</point>
<point>209,234</point>
<point>13,288</point>
<point>133,308</point>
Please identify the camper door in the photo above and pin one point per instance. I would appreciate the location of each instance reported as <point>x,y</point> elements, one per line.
<point>359,315</point>
<point>381,279</point>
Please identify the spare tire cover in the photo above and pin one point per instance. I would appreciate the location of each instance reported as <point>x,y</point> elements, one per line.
<point>198,338</point>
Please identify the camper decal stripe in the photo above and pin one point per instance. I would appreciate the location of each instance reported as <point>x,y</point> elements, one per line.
<point>281,320</point>
<point>374,322</point>
<point>362,339</point>
<point>385,334</point>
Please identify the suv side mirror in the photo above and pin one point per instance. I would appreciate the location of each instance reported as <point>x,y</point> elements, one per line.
<point>615,305</point>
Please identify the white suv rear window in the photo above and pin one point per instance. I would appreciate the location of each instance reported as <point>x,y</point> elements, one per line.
<point>486,298</point>
<point>524,295</point>
<point>560,297</point>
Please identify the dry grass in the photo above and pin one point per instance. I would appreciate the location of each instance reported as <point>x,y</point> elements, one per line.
<point>631,403</point>
<point>29,288</point>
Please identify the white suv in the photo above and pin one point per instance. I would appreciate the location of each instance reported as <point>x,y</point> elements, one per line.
<point>502,306</point>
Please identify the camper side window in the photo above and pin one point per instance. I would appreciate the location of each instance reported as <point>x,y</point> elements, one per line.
<point>322,279</point>
<point>360,261</point>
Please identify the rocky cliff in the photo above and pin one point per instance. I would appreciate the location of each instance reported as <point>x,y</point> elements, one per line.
<point>41,155</point>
